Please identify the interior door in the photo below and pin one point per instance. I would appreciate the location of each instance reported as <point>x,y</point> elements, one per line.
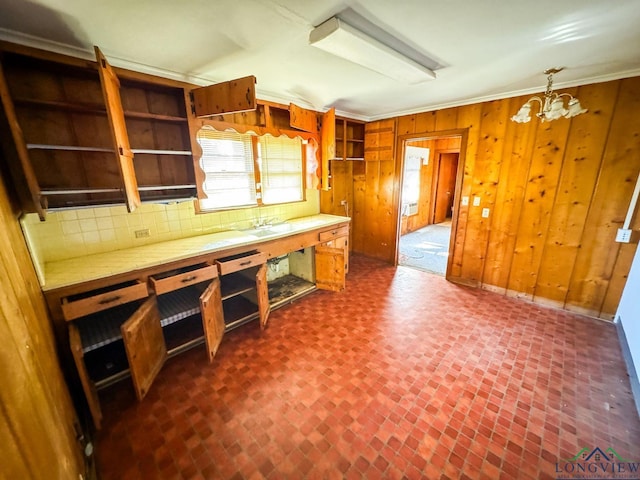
<point>144,344</point>
<point>212,317</point>
<point>124,156</point>
<point>330,268</point>
<point>263,295</point>
<point>445,186</point>
<point>328,145</point>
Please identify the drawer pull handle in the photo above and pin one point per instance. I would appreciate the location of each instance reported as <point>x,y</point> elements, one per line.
<point>115,298</point>
<point>334,232</point>
<point>244,264</point>
<point>189,279</point>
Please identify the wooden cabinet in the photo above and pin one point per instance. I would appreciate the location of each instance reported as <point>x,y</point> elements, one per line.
<point>127,325</point>
<point>342,139</point>
<point>349,139</point>
<point>244,289</point>
<point>117,331</point>
<point>60,135</point>
<point>332,258</point>
<point>129,329</point>
<point>74,134</point>
<point>158,131</point>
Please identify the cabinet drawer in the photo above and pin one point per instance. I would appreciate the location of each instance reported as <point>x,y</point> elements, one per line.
<point>329,235</point>
<point>240,262</point>
<point>184,279</point>
<point>74,307</point>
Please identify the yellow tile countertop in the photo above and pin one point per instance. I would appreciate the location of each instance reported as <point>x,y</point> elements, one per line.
<point>77,270</point>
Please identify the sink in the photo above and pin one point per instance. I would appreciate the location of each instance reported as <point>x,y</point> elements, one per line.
<point>269,230</point>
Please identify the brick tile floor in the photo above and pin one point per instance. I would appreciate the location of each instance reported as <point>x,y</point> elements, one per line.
<point>402,375</point>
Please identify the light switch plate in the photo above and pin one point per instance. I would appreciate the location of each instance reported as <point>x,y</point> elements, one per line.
<point>465,201</point>
<point>476,201</point>
<point>623,235</point>
<point>485,213</point>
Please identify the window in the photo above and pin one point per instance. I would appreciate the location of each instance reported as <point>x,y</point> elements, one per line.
<point>227,162</point>
<point>242,169</point>
<point>280,160</point>
<point>413,160</point>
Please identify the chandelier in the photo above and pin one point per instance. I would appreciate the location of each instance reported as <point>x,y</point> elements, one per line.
<point>551,105</point>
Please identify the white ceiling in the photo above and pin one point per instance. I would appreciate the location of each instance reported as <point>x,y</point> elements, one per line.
<point>486,49</point>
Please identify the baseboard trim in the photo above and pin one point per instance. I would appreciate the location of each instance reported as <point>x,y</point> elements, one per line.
<point>631,370</point>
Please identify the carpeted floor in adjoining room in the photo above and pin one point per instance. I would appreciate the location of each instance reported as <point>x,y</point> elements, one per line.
<point>427,248</point>
<point>402,375</point>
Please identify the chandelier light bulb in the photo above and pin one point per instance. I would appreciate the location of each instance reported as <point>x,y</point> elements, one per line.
<point>552,105</point>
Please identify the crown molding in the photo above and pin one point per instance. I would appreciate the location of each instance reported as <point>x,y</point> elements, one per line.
<point>87,54</point>
<point>502,96</point>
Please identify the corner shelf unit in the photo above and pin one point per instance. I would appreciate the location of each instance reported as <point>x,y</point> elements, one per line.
<point>349,139</point>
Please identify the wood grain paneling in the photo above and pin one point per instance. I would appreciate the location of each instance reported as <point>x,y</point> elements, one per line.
<point>37,426</point>
<point>598,255</point>
<point>557,193</point>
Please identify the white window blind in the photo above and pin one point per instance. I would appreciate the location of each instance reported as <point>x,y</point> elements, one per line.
<point>227,161</point>
<point>280,160</point>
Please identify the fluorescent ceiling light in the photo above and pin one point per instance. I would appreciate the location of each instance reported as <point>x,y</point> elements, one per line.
<point>341,39</point>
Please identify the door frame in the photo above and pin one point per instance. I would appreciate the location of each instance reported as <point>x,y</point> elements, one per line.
<point>463,133</point>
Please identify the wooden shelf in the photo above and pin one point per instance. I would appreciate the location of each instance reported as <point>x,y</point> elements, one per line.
<point>154,116</point>
<point>235,284</point>
<point>94,108</point>
<point>66,106</point>
<point>151,151</point>
<point>349,139</point>
<point>78,191</point>
<point>156,188</point>
<point>68,148</point>
<point>238,311</point>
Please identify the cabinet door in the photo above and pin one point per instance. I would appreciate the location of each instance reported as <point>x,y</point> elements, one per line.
<point>28,187</point>
<point>330,264</point>
<point>144,344</point>
<point>212,317</point>
<point>328,140</point>
<point>262,291</point>
<point>124,156</point>
<point>303,119</point>
<point>237,95</point>
<point>87,385</point>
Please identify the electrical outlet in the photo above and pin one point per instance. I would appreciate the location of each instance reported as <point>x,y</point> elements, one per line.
<point>476,201</point>
<point>465,201</point>
<point>623,235</point>
<point>142,233</point>
<point>485,213</point>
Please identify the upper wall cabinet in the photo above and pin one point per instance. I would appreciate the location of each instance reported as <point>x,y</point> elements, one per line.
<point>76,135</point>
<point>349,139</point>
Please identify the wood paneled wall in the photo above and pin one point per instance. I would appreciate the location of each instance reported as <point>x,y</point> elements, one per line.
<point>37,432</point>
<point>557,193</point>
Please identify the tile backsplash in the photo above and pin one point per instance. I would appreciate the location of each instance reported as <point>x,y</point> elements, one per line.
<point>74,233</point>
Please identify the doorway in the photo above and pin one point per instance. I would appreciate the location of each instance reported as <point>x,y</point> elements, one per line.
<point>429,175</point>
